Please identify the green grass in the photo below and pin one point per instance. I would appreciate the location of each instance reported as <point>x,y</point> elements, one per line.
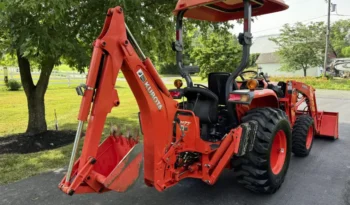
<point>63,99</point>
<point>14,114</point>
<point>13,119</point>
<point>19,166</point>
<point>63,67</point>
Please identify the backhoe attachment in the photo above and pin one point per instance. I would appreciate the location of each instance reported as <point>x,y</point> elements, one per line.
<point>116,163</point>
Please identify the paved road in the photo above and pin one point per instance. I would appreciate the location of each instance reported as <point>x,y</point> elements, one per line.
<point>321,178</point>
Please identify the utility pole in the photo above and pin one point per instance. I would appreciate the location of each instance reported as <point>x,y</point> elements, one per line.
<point>327,37</point>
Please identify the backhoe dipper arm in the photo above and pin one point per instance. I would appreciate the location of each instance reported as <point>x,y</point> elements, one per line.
<point>113,50</point>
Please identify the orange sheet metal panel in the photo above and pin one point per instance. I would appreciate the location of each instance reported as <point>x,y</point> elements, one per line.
<point>329,125</point>
<point>225,10</point>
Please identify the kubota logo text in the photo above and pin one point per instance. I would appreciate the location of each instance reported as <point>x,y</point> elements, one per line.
<point>149,89</point>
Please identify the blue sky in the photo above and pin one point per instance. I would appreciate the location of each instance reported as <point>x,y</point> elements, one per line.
<point>299,10</point>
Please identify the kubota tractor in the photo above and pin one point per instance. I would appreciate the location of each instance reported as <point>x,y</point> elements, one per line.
<point>240,121</point>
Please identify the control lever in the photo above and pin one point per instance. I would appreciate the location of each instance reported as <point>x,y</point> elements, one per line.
<point>81,89</point>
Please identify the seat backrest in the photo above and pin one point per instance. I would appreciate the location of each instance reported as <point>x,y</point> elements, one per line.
<point>217,84</point>
<point>203,103</point>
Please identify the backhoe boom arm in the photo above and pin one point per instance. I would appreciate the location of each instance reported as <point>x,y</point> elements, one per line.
<point>114,51</point>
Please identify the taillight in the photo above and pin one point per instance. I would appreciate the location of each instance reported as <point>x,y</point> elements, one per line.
<point>241,97</point>
<point>175,94</point>
<point>234,97</point>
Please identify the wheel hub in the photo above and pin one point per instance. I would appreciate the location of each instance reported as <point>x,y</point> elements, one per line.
<point>278,152</point>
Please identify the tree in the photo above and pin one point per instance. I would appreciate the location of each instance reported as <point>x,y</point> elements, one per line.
<point>37,33</point>
<point>301,46</point>
<point>8,60</point>
<point>217,51</point>
<point>340,38</point>
<point>41,33</point>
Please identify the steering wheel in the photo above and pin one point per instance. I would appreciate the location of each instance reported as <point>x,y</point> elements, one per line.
<point>263,76</point>
<point>202,86</point>
<point>248,71</point>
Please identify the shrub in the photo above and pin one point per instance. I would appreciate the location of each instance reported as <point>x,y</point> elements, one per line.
<point>13,85</point>
<point>168,68</point>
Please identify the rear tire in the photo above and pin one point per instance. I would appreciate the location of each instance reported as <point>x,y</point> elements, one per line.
<point>303,136</point>
<point>263,169</point>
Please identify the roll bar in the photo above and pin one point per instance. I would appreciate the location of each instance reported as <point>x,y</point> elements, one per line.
<point>245,39</point>
<point>178,47</point>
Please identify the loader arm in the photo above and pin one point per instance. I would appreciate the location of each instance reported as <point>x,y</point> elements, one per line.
<point>325,123</point>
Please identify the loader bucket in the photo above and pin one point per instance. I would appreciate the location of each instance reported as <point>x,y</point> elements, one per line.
<point>328,124</point>
<point>116,167</point>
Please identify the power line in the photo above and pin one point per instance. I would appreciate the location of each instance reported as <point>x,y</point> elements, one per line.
<point>340,15</point>
<point>299,21</point>
<point>284,24</point>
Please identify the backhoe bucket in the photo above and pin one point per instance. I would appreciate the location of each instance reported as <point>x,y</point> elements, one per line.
<point>117,166</point>
<point>328,124</point>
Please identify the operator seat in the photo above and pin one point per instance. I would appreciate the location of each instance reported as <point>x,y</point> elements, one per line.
<point>203,103</point>
<point>217,84</point>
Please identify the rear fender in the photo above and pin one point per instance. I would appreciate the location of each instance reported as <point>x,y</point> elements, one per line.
<point>264,98</point>
<point>253,99</point>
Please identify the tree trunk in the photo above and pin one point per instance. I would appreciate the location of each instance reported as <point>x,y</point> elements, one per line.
<point>304,72</point>
<point>36,108</point>
<point>35,94</point>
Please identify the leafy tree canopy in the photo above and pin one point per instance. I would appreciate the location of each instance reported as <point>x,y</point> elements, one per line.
<point>301,46</point>
<point>217,51</point>
<point>8,60</point>
<point>340,37</point>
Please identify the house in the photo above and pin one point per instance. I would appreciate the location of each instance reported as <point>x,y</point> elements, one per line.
<point>269,61</point>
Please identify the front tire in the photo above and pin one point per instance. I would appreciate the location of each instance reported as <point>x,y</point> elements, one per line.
<point>303,136</point>
<point>264,168</point>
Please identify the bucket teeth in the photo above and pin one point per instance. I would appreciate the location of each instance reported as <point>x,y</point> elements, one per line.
<point>115,130</point>
<point>128,133</point>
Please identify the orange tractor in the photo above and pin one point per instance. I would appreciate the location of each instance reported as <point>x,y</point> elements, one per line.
<point>236,122</point>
